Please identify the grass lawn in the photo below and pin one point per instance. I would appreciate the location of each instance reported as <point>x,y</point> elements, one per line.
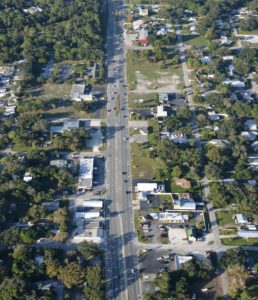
<point>142,165</point>
<point>252,32</point>
<point>228,231</point>
<point>224,218</point>
<point>238,241</point>
<point>149,100</point>
<point>195,41</point>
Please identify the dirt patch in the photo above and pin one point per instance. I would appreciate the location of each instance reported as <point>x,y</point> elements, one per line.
<point>166,83</point>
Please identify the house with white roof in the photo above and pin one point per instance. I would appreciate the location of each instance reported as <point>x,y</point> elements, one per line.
<point>248,135</point>
<point>250,124</point>
<point>241,219</point>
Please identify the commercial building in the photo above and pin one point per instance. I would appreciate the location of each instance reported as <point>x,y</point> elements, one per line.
<point>180,259</point>
<point>169,217</point>
<point>92,214</point>
<point>147,187</point>
<point>79,93</point>
<point>86,174</point>
<point>90,230</point>
<point>93,203</point>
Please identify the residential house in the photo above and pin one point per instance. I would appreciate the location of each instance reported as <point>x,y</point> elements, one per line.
<point>240,219</point>
<point>27,177</point>
<point>250,124</point>
<point>234,83</point>
<point>59,163</point>
<point>144,12</point>
<point>143,36</point>
<point>137,24</point>
<point>248,135</point>
<point>205,59</point>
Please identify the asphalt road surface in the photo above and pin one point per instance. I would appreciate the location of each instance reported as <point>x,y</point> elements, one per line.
<point>122,271</point>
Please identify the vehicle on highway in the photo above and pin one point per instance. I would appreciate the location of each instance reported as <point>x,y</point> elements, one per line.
<point>124,173</point>
<point>163,270</point>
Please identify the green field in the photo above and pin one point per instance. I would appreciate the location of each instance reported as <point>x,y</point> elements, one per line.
<point>238,241</point>
<point>195,41</point>
<point>142,165</point>
<point>149,100</point>
<point>252,32</point>
<point>224,218</point>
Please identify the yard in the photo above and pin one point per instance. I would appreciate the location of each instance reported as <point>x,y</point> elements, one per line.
<point>142,165</point>
<point>238,241</point>
<point>195,41</point>
<point>224,218</point>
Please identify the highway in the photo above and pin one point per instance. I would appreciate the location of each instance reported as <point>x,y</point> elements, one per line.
<point>122,272</point>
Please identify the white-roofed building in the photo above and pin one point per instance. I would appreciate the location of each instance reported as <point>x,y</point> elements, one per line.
<point>171,217</point>
<point>161,111</point>
<point>251,125</point>
<point>79,93</point>
<point>241,219</point>
<point>180,259</point>
<point>86,173</point>
<point>88,230</point>
<point>87,214</point>
<point>147,187</point>
<point>93,203</point>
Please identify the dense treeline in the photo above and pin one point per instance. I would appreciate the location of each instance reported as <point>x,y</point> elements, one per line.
<point>68,29</point>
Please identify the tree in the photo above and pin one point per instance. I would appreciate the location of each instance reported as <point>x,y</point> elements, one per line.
<point>88,250</point>
<point>71,275</point>
<point>177,172</point>
<point>238,277</point>
<point>12,288</point>
<point>181,286</point>
<point>60,217</point>
<point>233,257</point>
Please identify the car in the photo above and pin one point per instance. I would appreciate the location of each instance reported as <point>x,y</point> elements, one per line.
<point>95,182</point>
<point>125,180</point>
<point>160,258</point>
<point>165,261</point>
<point>109,110</point>
<point>124,173</point>
<point>132,271</point>
<point>194,297</point>
<point>163,270</point>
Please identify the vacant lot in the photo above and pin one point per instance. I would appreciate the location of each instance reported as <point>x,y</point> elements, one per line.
<point>143,100</point>
<point>224,218</point>
<point>142,165</point>
<point>195,41</point>
<point>145,76</point>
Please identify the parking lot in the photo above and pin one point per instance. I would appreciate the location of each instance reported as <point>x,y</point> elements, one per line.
<point>152,261</point>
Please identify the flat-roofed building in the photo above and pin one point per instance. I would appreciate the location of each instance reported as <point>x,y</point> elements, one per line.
<point>147,187</point>
<point>79,93</point>
<point>86,173</point>
<point>90,230</point>
<point>93,203</point>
